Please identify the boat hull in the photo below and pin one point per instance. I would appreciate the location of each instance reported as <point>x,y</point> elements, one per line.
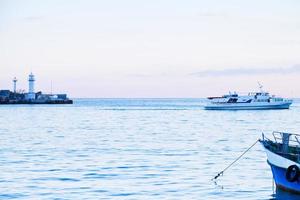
<point>281,182</point>
<point>238,106</point>
<point>279,166</point>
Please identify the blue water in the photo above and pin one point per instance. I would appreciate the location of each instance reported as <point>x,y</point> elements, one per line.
<point>136,149</point>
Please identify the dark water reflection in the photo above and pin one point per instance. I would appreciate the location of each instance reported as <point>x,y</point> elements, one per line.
<point>284,195</point>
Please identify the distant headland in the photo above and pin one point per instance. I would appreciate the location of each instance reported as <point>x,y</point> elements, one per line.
<point>32,97</point>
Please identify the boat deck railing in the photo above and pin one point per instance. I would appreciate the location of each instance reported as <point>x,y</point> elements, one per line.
<point>292,151</point>
<point>294,139</point>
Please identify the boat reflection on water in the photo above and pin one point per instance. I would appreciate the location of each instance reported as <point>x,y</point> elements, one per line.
<point>284,195</point>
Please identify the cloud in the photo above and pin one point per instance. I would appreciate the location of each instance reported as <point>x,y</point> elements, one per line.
<point>247,71</point>
<point>33,18</point>
<point>148,75</point>
<point>212,14</point>
<point>139,75</point>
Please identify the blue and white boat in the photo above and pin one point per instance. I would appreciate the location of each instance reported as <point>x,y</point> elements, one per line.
<point>283,154</point>
<point>252,101</point>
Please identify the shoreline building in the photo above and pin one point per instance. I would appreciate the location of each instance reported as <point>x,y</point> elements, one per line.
<point>9,97</point>
<point>15,84</point>
<point>31,94</point>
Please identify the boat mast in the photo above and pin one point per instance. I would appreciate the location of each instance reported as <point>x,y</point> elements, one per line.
<point>260,86</point>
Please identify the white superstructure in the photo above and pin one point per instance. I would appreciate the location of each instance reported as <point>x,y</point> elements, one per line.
<point>31,94</point>
<point>15,84</point>
<point>254,100</point>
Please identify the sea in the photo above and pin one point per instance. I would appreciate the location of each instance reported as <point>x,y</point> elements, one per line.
<point>137,149</point>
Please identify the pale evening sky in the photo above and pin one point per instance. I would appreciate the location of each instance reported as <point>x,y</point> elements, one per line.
<point>157,48</point>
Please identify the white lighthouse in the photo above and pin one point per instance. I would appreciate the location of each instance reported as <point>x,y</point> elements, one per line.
<point>31,94</point>
<point>15,84</point>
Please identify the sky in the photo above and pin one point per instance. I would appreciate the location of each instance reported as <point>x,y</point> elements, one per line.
<point>157,48</point>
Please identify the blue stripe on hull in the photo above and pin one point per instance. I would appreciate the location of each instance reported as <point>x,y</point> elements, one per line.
<point>281,182</point>
<point>283,106</point>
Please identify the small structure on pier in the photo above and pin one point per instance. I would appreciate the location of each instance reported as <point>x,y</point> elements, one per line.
<point>15,84</point>
<point>31,94</point>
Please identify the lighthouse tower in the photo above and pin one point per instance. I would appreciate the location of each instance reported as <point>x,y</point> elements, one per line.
<point>31,94</point>
<point>15,84</point>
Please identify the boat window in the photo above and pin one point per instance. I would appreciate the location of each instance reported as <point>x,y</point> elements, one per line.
<point>232,100</point>
<point>262,100</point>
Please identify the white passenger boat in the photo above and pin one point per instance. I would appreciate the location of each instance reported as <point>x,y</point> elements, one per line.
<point>252,101</point>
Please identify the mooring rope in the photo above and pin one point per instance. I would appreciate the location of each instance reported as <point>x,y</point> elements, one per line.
<point>222,172</point>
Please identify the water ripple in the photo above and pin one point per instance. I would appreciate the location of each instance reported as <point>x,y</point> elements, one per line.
<point>136,149</point>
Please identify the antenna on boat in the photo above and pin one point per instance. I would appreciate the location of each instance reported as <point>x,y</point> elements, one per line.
<point>260,86</point>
